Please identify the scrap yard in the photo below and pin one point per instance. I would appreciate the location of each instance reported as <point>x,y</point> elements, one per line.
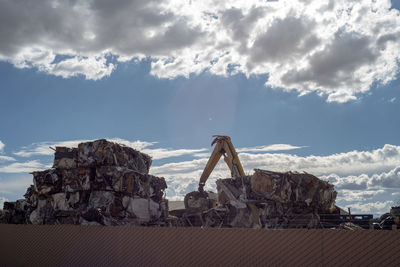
<point>104,183</point>
<point>200,133</point>
<point>101,184</point>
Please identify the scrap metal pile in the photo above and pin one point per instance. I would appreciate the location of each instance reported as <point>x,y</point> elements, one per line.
<point>103,183</point>
<point>270,200</point>
<point>389,220</point>
<point>98,183</point>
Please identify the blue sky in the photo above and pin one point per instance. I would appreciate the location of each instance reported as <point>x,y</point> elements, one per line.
<point>295,91</point>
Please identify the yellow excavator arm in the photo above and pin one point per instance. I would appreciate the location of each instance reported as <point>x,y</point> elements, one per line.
<point>200,200</point>
<point>223,147</point>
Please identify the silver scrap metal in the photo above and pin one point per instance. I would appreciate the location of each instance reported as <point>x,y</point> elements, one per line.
<point>97,183</point>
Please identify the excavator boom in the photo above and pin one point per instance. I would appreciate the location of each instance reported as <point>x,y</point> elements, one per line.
<point>201,200</point>
<point>223,147</point>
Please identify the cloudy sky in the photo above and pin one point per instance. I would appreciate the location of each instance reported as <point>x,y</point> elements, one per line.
<point>299,85</point>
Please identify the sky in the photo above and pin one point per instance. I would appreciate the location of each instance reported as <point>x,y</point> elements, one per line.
<point>305,85</point>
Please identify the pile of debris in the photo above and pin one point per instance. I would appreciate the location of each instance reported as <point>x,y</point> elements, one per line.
<point>389,220</point>
<point>15,212</point>
<point>98,183</point>
<point>272,200</point>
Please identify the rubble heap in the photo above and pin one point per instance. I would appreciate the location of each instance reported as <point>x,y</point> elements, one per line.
<point>98,183</point>
<point>14,212</point>
<point>269,199</point>
<point>389,220</point>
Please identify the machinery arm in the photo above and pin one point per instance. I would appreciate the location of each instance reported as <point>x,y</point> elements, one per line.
<point>224,147</point>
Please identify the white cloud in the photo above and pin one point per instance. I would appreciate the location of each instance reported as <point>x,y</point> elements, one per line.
<point>348,182</point>
<point>358,196</point>
<point>337,49</point>
<point>2,157</point>
<point>1,147</point>
<point>85,34</point>
<point>360,177</point>
<point>15,185</point>
<point>349,163</point>
<point>19,167</point>
<point>43,148</point>
<point>390,179</point>
<point>2,200</point>
<point>354,163</point>
<point>372,207</point>
<point>387,179</point>
<point>93,68</point>
<point>354,166</point>
<point>138,145</point>
<point>163,153</point>
<point>367,193</point>
<point>274,147</point>
<point>6,158</point>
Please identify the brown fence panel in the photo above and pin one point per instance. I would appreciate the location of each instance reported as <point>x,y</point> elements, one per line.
<point>63,245</point>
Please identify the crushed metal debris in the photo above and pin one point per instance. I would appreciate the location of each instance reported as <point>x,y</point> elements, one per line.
<point>98,183</point>
<point>266,199</point>
<point>276,200</point>
<point>104,183</point>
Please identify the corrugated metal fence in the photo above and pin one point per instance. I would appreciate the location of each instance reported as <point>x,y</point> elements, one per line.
<point>60,245</point>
